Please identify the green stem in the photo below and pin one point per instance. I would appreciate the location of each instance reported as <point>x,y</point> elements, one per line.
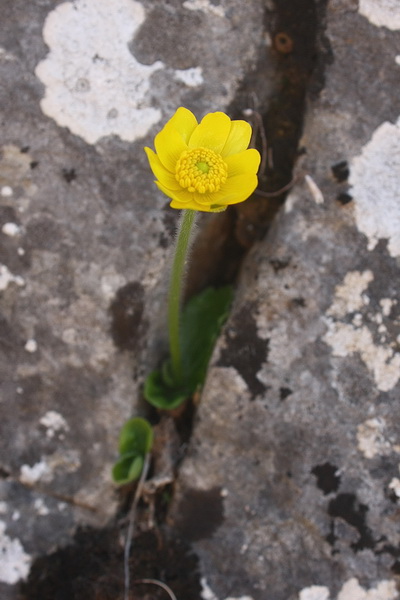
<point>175,291</point>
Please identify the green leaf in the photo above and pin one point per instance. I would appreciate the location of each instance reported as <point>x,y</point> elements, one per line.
<point>135,441</point>
<point>160,394</point>
<point>127,468</point>
<point>136,437</point>
<point>202,319</point>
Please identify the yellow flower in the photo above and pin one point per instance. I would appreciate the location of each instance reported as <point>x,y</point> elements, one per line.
<point>204,166</point>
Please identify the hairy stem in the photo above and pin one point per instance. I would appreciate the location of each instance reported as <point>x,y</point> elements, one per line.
<point>175,291</point>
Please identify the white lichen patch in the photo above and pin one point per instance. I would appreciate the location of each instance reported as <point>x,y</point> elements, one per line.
<point>205,6</point>
<point>374,179</point>
<point>94,85</point>
<point>382,361</point>
<point>6,191</point>
<point>349,294</point>
<point>383,13</point>
<point>385,590</point>
<point>387,305</point>
<point>11,229</point>
<point>190,77</point>
<point>6,277</point>
<point>348,338</point>
<point>40,471</point>
<point>31,346</point>
<point>14,561</point>
<point>208,594</point>
<point>357,320</point>
<point>352,590</point>
<point>67,461</point>
<point>394,485</point>
<point>371,438</point>
<point>40,507</point>
<point>54,423</point>
<point>314,592</point>
<point>110,282</point>
<point>206,591</point>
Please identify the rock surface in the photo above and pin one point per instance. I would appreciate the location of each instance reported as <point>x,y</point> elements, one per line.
<point>291,486</point>
<point>84,236</point>
<point>294,459</point>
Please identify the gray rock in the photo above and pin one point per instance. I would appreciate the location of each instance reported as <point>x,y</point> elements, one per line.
<point>294,459</point>
<point>85,237</point>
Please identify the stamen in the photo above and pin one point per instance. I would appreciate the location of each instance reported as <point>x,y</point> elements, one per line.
<point>201,170</point>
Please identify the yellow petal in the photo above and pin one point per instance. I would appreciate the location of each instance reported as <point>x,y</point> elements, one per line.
<point>247,161</point>
<point>161,173</point>
<point>184,122</point>
<point>186,199</point>
<point>182,205</point>
<point>194,206</point>
<point>164,190</point>
<point>169,145</point>
<point>179,205</point>
<point>212,132</point>
<point>238,138</point>
<point>182,196</point>
<point>237,189</point>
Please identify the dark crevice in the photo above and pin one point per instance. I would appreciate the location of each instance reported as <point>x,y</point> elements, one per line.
<point>347,507</point>
<point>284,393</point>
<point>69,175</point>
<point>91,568</point>
<point>327,478</point>
<point>298,57</point>
<point>244,350</point>
<point>344,198</point>
<point>395,568</point>
<point>4,473</point>
<point>341,171</point>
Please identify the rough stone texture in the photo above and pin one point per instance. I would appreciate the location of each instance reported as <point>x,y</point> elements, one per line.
<point>295,450</point>
<point>84,236</point>
<point>291,486</point>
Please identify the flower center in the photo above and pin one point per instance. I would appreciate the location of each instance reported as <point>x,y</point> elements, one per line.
<point>201,170</point>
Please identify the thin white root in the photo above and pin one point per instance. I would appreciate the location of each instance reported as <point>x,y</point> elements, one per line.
<point>131,527</point>
<point>160,584</point>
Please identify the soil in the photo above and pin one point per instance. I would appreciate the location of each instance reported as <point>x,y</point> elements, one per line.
<point>92,568</point>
